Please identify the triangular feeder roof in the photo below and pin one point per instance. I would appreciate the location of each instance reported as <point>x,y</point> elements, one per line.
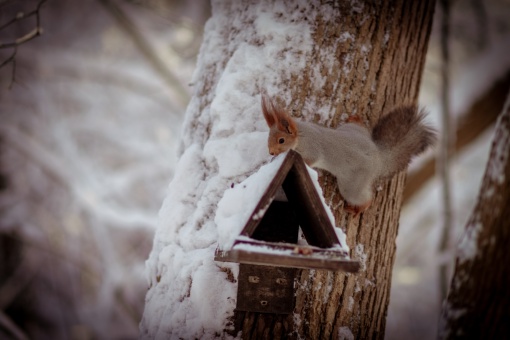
<point>324,250</point>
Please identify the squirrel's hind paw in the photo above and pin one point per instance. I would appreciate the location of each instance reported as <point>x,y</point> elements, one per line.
<point>356,209</point>
<point>354,119</point>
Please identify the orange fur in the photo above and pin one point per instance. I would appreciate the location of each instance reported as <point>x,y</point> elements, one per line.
<point>282,128</point>
<point>267,110</point>
<point>356,210</point>
<point>355,120</point>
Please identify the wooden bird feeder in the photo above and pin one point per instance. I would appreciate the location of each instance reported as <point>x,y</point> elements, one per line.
<point>267,248</point>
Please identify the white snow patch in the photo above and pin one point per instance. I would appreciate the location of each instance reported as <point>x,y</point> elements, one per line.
<point>245,152</point>
<point>264,249</point>
<point>259,214</point>
<point>498,161</point>
<point>347,67</point>
<point>489,192</point>
<point>239,202</point>
<point>315,179</point>
<point>344,333</point>
<point>329,288</point>
<point>357,288</point>
<point>468,244</point>
<point>365,48</point>
<point>360,254</point>
<point>351,303</point>
<point>346,36</point>
<point>357,6</point>
<point>449,314</point>
<point>342,237</point>
<point>386,38</point>
<point>369,283</point>
<point>207,280</point>
<point>297,319</point>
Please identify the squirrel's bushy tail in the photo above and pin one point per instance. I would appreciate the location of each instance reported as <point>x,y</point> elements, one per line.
<point>401,135</point>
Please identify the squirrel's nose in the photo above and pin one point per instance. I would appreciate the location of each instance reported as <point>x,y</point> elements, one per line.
<point>271,153</point>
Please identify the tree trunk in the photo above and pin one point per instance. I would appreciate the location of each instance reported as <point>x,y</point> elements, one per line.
<point>477,306</point>
<point>357,57</point>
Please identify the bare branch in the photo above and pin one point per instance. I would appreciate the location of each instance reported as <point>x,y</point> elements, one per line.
<point>32,34</point>
<point>37,31</point>
<point>21,16</point>
<point>10,326</point>
<point>11,60</point>
<point>26,38</point>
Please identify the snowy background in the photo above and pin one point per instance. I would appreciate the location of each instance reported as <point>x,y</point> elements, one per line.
<point>88,144</point>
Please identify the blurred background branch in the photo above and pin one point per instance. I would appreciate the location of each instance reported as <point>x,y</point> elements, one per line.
<point>446,142</point>
<point>148,52</point>
<point>34,33</point>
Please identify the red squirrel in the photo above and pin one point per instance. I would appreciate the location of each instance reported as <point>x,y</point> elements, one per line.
<point>355,155</point>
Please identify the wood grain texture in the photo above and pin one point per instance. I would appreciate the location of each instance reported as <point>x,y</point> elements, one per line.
<point>288,255</point>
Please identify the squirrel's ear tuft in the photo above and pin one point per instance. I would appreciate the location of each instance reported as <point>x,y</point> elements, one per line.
<point>284,121</point>
<point>268,110</point>
<point>287,125</point>
<point>274,114</point>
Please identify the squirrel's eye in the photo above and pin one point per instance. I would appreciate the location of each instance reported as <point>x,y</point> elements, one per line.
<point>281,140</point>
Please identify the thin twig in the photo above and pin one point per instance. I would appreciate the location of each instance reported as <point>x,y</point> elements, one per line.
<point>37,31</point>
<point>9,325</point>
<point>24,39</point>
<point>21,16</point>
<point>12,60</point>
<point>9,59</point>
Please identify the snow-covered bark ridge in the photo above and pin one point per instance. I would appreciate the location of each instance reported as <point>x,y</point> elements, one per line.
<point>224,141</point>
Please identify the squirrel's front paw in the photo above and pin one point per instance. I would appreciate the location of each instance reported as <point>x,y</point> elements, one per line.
<point>356,209</point>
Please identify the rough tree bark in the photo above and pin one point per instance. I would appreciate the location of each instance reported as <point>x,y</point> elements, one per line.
<point>365,58</point>
<point>477,304</point>
<point>332,306</point>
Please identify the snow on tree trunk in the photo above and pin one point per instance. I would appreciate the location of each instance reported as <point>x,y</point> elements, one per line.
<point>323,60</point>
<point>478,303</point>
